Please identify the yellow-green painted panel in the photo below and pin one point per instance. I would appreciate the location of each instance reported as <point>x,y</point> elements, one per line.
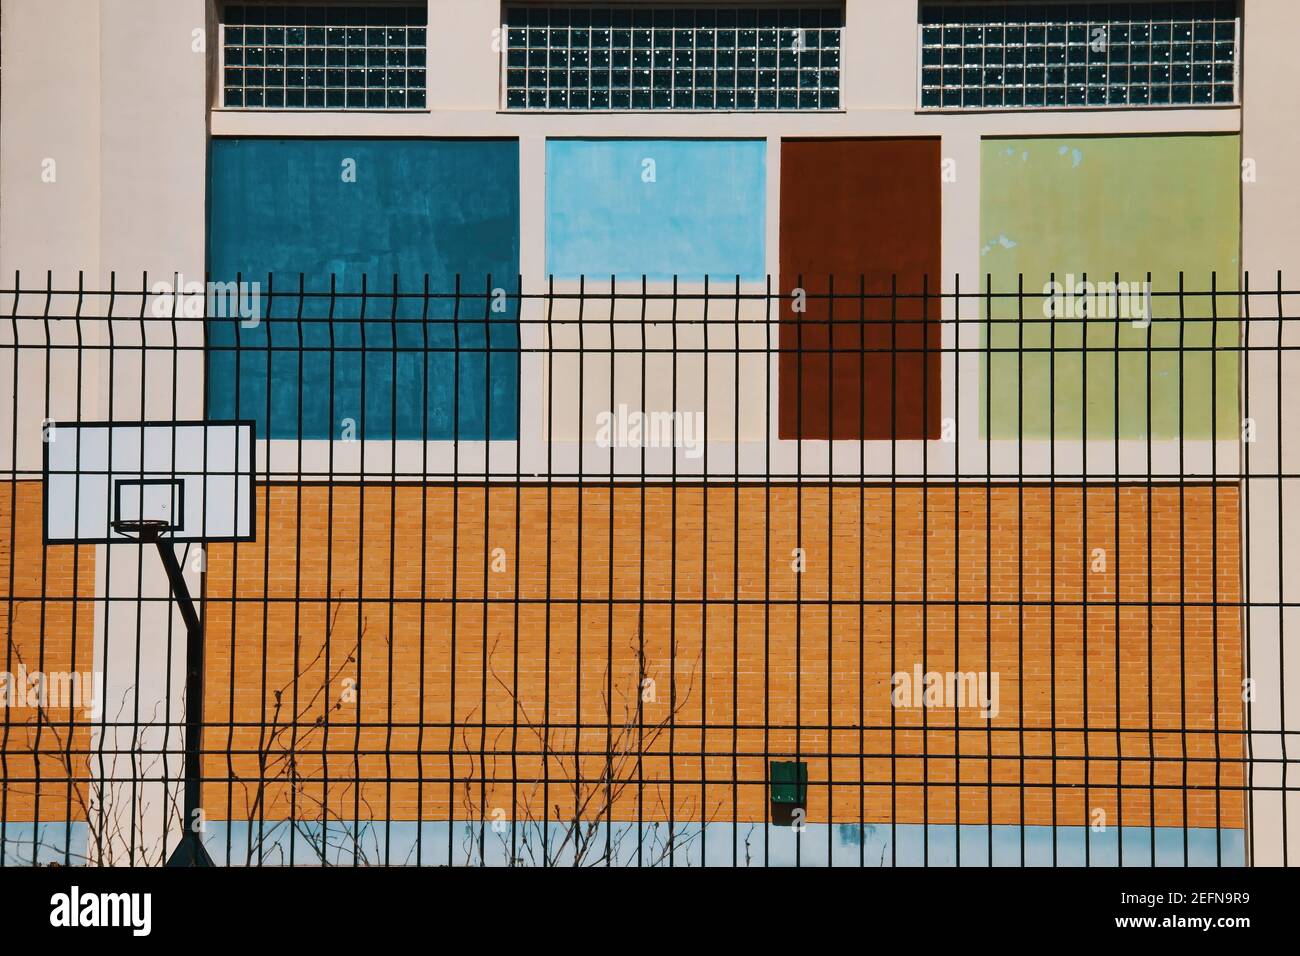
<point>1075,359</point>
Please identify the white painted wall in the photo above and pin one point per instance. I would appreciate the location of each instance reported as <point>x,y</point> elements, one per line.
<point>118,105</point>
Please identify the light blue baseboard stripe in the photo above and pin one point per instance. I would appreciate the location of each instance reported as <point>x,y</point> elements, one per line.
<point>721,844</point>
<point>26,844</point>
<point>404,843</point>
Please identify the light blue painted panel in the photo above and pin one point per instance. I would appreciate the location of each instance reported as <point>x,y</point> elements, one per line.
<point>656,207</point>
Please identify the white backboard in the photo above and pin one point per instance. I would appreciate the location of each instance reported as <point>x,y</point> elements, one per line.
<point>196,477</point>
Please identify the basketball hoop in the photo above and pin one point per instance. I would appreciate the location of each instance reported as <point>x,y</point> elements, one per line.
<point>165,484</point>
<point>185,482</point>
<point>143,529</point>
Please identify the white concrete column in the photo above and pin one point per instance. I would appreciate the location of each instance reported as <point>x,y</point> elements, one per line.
<point>1271,505</point>
<point>103,169</point>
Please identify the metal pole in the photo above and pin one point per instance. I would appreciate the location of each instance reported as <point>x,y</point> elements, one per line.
<point>190,851</point>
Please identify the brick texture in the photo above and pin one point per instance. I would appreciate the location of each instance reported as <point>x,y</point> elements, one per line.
<point>508,675</point>
<point>44,770</point>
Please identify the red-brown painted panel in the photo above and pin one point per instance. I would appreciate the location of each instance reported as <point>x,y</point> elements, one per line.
<point>860,216</point>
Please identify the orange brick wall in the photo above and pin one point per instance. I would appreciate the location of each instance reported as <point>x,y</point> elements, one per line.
<point>893,576</point>
<point>36,629</point>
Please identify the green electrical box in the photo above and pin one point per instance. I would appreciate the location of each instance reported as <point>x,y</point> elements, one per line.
<point>789,780</point>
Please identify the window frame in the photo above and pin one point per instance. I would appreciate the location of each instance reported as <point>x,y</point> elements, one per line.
<point>504,41</point>
<point>218,97</point>
<point>919,47</point>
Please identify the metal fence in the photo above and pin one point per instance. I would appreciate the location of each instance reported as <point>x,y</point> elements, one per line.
<point>844,571</point>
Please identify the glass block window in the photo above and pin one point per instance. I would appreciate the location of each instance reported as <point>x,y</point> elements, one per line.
<point>323,56</point>
<point>672,57</point>
<point>1062,55</point>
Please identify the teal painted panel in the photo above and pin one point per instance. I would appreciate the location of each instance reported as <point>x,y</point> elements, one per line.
<point>446,209</point>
